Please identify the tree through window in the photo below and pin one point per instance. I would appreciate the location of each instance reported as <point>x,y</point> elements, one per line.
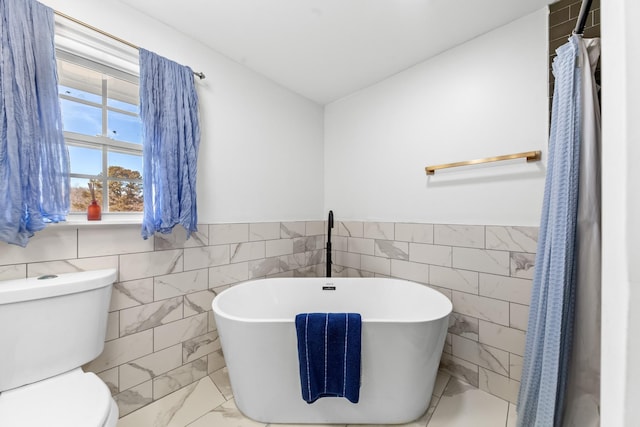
<point>124,194</point>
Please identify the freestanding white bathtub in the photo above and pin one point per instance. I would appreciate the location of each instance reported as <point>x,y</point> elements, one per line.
<point>404,325</point>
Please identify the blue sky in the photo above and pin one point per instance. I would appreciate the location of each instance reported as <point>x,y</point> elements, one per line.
<point>86,119</point>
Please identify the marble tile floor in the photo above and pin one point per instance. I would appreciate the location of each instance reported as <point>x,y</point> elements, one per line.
<point>209,403</point>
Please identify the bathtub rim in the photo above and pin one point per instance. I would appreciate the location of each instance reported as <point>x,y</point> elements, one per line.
<point>215,303</point>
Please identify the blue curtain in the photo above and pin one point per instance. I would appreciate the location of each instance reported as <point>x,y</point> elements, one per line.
<point>34,163</point>
<point>169,112</point>
<point>550,327</point>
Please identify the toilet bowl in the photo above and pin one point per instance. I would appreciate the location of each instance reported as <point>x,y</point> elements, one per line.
<point>49,327</point>
<point>72,399</point>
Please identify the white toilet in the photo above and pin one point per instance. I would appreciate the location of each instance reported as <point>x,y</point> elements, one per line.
<point>49,327</point>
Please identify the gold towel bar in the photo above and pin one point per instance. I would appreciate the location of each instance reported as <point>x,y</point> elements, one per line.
<point>531,156</point>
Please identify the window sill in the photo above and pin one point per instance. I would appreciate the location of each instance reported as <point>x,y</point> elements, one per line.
<point>80,221</point>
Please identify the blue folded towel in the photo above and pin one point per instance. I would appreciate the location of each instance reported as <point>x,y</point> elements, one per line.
<point>329,355</point>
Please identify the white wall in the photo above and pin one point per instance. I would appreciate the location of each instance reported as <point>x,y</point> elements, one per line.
<point>620,387</point>
<point>484,98</point>
<point>261,150</point>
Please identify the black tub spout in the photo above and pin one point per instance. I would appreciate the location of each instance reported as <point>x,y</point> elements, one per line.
<point>329,227</point>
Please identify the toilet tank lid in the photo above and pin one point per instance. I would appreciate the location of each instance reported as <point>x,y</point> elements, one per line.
<point>12,291</point>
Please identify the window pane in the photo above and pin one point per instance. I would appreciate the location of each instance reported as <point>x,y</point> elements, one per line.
<point>123,127</point>
<point>122,95</point>
<point>122,165</point>
<point>81,118</point>
<point>77,93</point>
<point>81,196</point>
<point>86,161</point>
<point>80,82</point>
<point>79,86</point>
<point>125,196</point>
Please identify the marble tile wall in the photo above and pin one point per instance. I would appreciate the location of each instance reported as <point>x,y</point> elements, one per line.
<point>162,337</point>
<point>486,271</point>
<point>161,333</point>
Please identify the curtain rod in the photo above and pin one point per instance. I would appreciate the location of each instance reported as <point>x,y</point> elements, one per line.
<point>582,16</point>
<point>111,36</point>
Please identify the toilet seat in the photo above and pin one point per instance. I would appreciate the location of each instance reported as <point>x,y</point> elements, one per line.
<point>72,399</point>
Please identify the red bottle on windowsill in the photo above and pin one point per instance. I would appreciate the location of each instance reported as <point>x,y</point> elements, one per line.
<point>94,211</point>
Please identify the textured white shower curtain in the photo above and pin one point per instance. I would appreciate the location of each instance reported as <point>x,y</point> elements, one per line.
<point>560,384</point>
<point>582,401</point>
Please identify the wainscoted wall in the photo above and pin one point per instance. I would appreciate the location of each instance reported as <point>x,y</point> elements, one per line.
<point>486,271</point>
<point>161,334</point>
<point>162,337</point>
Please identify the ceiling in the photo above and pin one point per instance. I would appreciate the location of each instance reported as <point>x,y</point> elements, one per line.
<point>327,49</point>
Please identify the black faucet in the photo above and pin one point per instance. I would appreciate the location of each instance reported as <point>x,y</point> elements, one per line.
<point>329,227</point>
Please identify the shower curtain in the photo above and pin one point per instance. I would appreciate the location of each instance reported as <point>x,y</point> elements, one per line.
<point>582,402</point>
<point>560,384</point>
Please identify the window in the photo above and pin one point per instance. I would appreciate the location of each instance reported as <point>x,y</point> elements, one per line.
<point>98,89</point>
<point>103,132</point>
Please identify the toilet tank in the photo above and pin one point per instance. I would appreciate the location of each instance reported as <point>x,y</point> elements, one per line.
<point>51,324</point>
